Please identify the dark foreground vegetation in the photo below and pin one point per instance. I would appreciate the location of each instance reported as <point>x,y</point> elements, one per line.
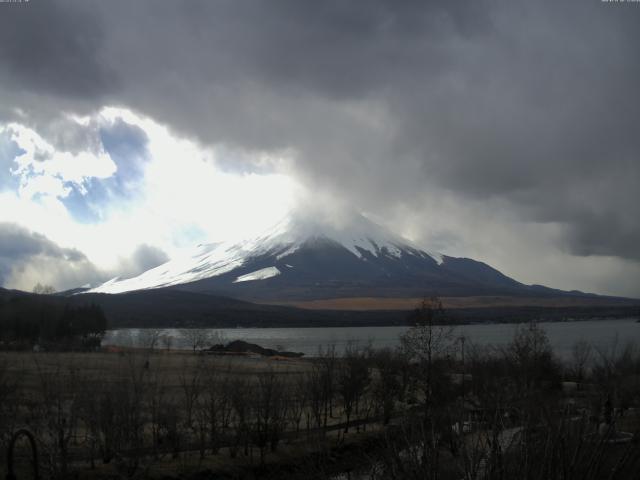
<point>436,408</point>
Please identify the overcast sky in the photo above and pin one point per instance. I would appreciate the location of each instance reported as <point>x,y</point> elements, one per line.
<point>508,132</point>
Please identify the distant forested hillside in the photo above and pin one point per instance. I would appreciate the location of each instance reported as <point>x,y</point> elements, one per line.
<point>169,308</point>
<point>53,322</point>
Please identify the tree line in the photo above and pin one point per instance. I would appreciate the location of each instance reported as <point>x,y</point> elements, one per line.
<point>29,320</point>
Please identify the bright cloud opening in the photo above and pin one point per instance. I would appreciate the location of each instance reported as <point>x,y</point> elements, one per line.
<point>175,198</point>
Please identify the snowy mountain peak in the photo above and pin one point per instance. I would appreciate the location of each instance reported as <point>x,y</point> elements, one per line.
<point>355,233</point>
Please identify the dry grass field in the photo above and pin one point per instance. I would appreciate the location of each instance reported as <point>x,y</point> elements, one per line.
<point>68,397</point>
<point>405,304</point>
<point>28,369</point>
<point>46,385</point>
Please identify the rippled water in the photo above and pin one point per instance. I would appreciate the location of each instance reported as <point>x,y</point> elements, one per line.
<point>603,334</point>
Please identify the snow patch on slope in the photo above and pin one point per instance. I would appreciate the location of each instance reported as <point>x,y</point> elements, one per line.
<point>438,257</point>
<point>261,274</point>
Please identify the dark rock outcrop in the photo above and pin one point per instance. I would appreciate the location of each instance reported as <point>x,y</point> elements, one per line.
<point>240,346</point>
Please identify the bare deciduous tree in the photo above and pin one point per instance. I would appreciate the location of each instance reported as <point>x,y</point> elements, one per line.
<point>429,343</point>
<point>353,378</point>
<point>580,357</point>
<point>199,338</point>
<point>58,414</point>
<point>167,341</point>
<point>386,383</point>
<point>269,411</point>
<point>43,289</point>
<point>149,338</point>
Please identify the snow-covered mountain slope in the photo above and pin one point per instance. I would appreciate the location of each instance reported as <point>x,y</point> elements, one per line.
<point>310,258</point>
<point>361,237</point>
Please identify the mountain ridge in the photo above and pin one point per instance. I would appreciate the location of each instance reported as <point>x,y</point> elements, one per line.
<point>301,259</point>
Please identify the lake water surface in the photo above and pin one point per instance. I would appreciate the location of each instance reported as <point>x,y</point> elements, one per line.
<point>602,334</point>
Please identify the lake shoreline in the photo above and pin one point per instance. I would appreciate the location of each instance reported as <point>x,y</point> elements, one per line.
<point>308,340</point>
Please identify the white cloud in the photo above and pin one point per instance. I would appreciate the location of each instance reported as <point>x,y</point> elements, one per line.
<point>182,197</point>
<point>44,170</point>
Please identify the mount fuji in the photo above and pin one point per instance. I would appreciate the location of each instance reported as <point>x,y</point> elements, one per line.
<point>301,259</point>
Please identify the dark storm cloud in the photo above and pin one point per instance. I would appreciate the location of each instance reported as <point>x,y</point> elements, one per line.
<point>143,258</point>
<point>27,258</point>
<point>532,103</point>
<point>52,47</point>
<point>17,242</point>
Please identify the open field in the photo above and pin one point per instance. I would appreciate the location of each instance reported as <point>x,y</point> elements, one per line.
<point>28,370</point>
<point>167,410</point>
